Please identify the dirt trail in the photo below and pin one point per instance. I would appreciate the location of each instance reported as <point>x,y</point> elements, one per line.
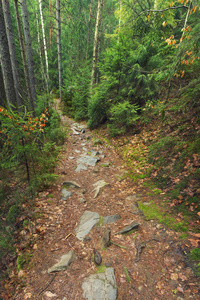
<point>153,255</point>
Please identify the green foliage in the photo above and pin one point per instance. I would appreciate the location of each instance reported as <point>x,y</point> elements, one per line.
<point>98,107</point>
<point>13,213</point>
<point>122,116</point>
<point>195,254</point>
<point>152,211</point>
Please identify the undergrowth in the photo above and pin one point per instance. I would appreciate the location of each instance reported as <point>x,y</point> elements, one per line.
<point>30,147</point>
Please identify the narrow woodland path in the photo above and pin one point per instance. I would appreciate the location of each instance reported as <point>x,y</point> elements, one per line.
<point>148,263</point>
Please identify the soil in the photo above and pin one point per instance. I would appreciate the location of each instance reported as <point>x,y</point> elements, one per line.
<point>153,255</point>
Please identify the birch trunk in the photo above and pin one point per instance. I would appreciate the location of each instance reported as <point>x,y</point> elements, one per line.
<point>12,50</point>
<point>44,78</point>
<point>45,47</point>
<point>6,64</point>
<point>29,52</point>
<point>95,47</point>
<point>59,46</point>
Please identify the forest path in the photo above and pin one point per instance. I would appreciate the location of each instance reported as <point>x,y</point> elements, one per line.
<point>152,256</point>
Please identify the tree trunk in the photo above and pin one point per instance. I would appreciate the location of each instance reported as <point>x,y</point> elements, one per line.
<point>95,47</point>
<point>59,46</point>
<point>29,52</point>
<point>44,78</point>
<point>2,91</point>
<point>12,50</point>
<point>45,47</point>
<point>6,64</point>
<point>22,50</point>
<point>88,34</point>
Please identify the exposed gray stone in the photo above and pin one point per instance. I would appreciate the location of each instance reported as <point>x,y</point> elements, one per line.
<point>71,157</point>
<point>101,286</point>
<point>98,186</point>
<point>71,184</point>
<point>94,153</point>
<point>87,221</point>
<point>82,200</point>
<point>64,262</point>
<point>88,160</point>
<point>111,219</point>
<point>77,151</point>
<point>80,167</point>
<point>105,240</point>
<point>128,228</point>
<point>66,194</point>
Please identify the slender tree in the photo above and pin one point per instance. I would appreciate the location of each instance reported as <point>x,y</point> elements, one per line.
<point>6,63</point>
<point>59,46</point>
<point>88,33</point>
<point>45,47</point>
<point>96,44</point>
<point>22,51</point>
<point>12,50</point>
<point>29,52</point>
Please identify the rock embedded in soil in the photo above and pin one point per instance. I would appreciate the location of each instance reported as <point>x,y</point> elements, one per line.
<point>88,160</point>
<point>101,286</point>
<point>128,228</point>
<point>65,194</point>
<point>87,221</point>
<point>71,184</point>
<point>98,187</point>
<point>65,261</point>
<point>105,240</point>
<point>80,167</point>
<point>111,219</point>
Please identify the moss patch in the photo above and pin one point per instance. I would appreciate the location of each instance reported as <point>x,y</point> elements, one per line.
<point>153,212</point>
<point>128,279</point>
<point>101,269</point>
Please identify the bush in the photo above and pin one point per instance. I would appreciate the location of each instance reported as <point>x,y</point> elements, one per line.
<point>98,107</point>
<point>123,115</point>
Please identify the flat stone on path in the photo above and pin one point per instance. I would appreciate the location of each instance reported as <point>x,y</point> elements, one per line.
<point>66,194</point>
<point>71,184</point>
<point>111,219</point>
<point>87,221</point>
<point>128,228</point>
<point>98,186</point>
<point>64,262</point>
<point>88,160</point>
<point>80,167</point>
<point>101,286</point>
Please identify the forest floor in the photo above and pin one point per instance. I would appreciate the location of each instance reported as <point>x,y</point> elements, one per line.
<point>161,270</point>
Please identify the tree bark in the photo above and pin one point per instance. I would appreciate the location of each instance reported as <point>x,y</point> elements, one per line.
<point>88,34</point>
<point>95,47</point>
<point>12,50</point>
<point>59,46</point>
<point>44,78</point>
<point>29,52</point>
<point>2,91</point>
<point>22,50</point>
<point>6,64</point>
<point>45,47</point>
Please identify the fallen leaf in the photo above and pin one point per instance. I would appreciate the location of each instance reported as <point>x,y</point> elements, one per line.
<point>180,289</point>
<point>174,276</point>
<point>194,242</point>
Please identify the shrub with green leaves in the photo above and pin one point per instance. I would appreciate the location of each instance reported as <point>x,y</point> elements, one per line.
<point>122,116</point>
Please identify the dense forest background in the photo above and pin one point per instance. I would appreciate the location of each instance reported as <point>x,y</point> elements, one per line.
<point>129,67</point>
